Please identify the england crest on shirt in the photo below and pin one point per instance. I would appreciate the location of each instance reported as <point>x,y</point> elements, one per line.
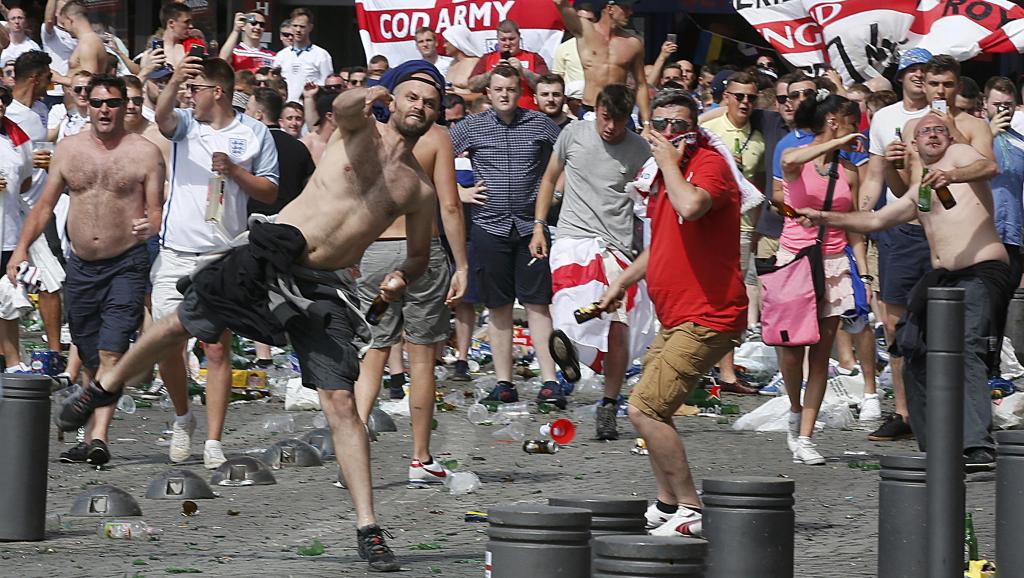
<point>236,147</point>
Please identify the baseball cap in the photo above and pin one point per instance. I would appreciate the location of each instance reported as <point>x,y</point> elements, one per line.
<point>912,57</point>
<point>574,90</point>
<point>720,81</point>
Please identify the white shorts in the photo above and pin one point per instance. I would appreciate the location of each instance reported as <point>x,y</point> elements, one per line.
<point>170,265</point>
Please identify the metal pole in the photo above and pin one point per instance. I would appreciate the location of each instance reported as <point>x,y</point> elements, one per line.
<point>945,429</point>
<point>903,516</point>
<point>1010,502</point>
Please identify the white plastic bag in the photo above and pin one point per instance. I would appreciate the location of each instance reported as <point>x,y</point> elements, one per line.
<point>848,389</point>
<point>299,398</point>
<point>397,407</point>
<point>1009,367</point>
<point>757,358</point>
<point>771,416</point>
<point>1007,412</point>
<point>835,415</point>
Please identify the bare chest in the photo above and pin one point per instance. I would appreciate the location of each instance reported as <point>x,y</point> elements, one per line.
<point>617,53</point>
<point>88,171</point>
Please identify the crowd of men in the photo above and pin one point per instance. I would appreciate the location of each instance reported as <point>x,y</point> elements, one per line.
<point>208,190</point>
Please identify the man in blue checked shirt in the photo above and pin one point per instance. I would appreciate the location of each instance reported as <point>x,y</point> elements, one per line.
<point>509,148</point>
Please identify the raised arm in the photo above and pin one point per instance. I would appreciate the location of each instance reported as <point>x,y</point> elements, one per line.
<point>903,210</point>
<point>353,109</point>
<point>166,116</point>
<point>667,49</point>
<point>573,22</point>
<point>643,93</point>
<point>232,40</point>
<point>795,158</point>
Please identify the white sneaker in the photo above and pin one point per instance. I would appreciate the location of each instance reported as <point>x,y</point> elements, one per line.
<point>806,454</point>
<point>794,430</point>
<point>871,407</point>
<point>656,517</point>
<point>433,473</point>
<point>181,439</point>
<point>213,455</point>
<point>685,522</point>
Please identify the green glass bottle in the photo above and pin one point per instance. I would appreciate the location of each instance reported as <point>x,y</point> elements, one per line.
<point>924,195</point>
<point>970,541</point>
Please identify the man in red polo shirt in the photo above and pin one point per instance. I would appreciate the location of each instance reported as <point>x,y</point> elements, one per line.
<point>510,52</point>
<point>693,277</point>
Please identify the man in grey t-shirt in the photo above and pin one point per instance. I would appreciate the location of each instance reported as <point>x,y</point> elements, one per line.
<point>595,241</point>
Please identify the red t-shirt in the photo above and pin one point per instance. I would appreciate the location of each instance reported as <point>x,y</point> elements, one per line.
<point>531,60</point>
<point>694,269</point>
<point>245,58</point>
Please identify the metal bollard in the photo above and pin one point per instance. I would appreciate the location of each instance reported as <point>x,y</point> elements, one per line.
<point>945,429</point>
<point>610,515</point>
<point>532,540</point>
<point>1015,323</point>
<point>903,516</point>
<point>648,556</point>
<point>1009,503</point>
<point>752,515</point>
<point>25,429</point>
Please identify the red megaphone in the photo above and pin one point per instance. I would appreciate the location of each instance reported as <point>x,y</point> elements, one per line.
<point>561,430</point>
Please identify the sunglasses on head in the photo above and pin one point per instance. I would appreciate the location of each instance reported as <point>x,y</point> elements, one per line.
<point>110,102</point>
<point>743,96</point>
<point>678,125</point>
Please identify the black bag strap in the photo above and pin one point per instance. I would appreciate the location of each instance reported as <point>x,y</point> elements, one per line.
<point>833,176</point>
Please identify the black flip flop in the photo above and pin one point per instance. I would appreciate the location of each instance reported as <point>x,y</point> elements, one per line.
<point>564,353</point>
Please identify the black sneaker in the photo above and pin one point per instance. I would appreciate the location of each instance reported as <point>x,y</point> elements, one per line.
<point>564,354</point>
<point>76,455</point>
<point>396,383</point>
<point>893,429</point>
<point>98,454</point>
<point>375,550</point>
<point>503,392</point>
<point>77,409</point>
<point>979,460</point>
<point>551,392</point>
<point>605,421</point>
<point>461,372</point>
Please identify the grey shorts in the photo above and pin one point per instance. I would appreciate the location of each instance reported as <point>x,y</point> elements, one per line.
<point>421,313</point>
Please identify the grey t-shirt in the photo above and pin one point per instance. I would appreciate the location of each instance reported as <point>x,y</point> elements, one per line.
<point>596,172</point>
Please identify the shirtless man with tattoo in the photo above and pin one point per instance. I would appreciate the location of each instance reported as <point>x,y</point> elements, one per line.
<point>966,252</point>
<point>115,180</point>
<point>369,178</point>
<point>608,53</point>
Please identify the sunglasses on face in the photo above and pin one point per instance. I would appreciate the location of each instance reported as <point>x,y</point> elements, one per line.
<point>286,35</point>
<point>194,88</point>
<point>678,125</point>
<point>256,23</point>
<point>136,100</point>
<point>110,102</point>
<point>796,94</point>
<point>80,89</point>
<point>743,96</point>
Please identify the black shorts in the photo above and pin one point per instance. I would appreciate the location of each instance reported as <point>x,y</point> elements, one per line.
<point>4,260</point>
<point>503,273</point>
<point>904,258</point>
<point>328,356</point>
<point>105,302</point>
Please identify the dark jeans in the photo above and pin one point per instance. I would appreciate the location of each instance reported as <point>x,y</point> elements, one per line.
<point>977,395</point>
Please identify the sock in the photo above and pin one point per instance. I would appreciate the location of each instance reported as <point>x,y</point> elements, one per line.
<point>183,419</point>
<point>212,443</point>
<point>609,401</point>
<point>693,508</point>
<point>667,508</point>
<point>396,380</point>
<point>428,461</point>
<point>264,363</point>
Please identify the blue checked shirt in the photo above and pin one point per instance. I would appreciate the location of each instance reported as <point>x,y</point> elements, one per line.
<point>510,159</point>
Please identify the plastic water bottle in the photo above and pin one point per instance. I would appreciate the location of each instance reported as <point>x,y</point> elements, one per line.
<point>440,373</point>
<point>478,414</point>
<point>119,530</point>
<point>463,483</point>
<point>320,421</point>
<point>126,404</point>
<point>279,424</point>
<point>511,410</point>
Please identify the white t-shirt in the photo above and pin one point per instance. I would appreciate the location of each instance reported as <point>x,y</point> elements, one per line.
<point>59,45</point>
<point>883,130</point>
<point>13,51</point>
<point>247,142</point>
<point>65,124</point>
<point>311,64</point>
<point>16,166</point>
<point>31,120</point>
<point>443,64</point>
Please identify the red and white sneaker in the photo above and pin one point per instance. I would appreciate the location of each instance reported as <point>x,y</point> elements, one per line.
<point>685,522</point>
<point>432,473</point>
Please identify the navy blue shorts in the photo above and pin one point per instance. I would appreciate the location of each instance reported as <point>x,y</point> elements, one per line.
<point>903,259</point>
<point>503,273</point>
<point>105,302</point>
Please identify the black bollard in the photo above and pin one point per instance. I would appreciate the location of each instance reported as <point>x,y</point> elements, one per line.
<point>1015,323</point>
<point>24,453</point>
<point>945,429</point>
<point>903,516</point>
<point>611,515</point>
<point>1009,503</point>
<point>533,540</point>
<point>648,557</point>
<point>753,516</point>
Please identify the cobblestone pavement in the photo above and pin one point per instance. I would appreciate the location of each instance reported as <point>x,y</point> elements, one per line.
<point>836,509</point>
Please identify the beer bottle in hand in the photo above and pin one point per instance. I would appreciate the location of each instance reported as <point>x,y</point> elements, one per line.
<point>924,195</point>
<point>898,163</point>
<point>587,312</point>
<point>946,198</point>
<point>376,311</point>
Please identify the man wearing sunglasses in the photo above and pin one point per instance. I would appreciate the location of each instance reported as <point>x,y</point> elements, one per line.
<point>285,34</point>
<point>247,53</point>
<point>115,180</point>
<point>747,146</point>
<point>211,142</point>
<point>71,116</point>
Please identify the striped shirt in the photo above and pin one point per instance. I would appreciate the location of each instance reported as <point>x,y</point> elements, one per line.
<point>246,58</point>
<point>510,159</point>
